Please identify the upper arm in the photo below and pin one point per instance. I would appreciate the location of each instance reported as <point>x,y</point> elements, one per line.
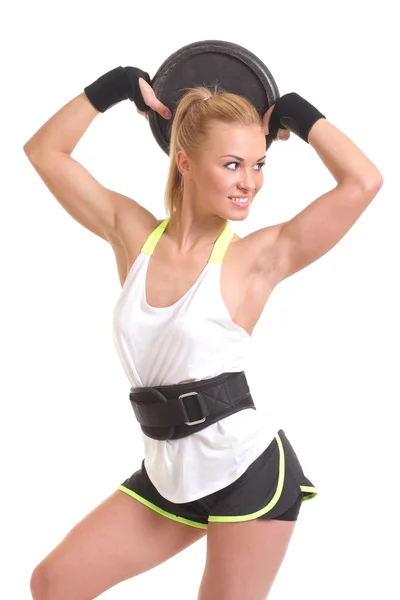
<point>315,230</point>
<point>97,208</point>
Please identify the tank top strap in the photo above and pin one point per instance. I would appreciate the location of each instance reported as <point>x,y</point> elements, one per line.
<point>221,245</point>
<point>219,249</point>
<point>151,242</point>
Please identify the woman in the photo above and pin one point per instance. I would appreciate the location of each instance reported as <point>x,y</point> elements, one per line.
<point>183,324</point>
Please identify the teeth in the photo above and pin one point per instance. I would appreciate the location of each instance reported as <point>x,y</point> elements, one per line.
<point>240,200</point>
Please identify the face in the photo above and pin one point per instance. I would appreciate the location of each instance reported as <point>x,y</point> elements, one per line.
<point>228,165</point>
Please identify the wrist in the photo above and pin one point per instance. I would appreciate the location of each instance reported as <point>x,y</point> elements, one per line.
<point>109,89</point>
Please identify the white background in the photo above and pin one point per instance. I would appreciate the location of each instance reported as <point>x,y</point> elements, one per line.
<point>326,350</point>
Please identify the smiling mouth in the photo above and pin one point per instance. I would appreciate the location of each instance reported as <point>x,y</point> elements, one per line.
<point>240,201</point>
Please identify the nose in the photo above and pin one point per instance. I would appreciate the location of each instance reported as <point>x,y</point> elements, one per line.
<point>247,182</point>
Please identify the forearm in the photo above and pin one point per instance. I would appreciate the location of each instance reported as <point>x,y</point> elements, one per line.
<point>63,130</point>
<point>345,161</point>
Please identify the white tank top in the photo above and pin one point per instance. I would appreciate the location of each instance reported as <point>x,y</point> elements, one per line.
<point>193,339</point>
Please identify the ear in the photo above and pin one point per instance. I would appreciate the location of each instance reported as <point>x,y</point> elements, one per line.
<point>183,163</point>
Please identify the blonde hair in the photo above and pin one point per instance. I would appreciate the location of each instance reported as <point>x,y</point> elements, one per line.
<point>193,114</point>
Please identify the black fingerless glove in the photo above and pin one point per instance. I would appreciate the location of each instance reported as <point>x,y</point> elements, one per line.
<point>292,112</point>
<point>117,85</point>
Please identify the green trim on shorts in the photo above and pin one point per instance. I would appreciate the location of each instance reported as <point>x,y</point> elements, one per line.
<point>271,504</point>
<point>308,488</point>
<point>160,510</point>
<point>312,492</point>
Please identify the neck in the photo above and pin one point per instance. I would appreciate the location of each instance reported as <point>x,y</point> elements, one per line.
<point>191,233</point>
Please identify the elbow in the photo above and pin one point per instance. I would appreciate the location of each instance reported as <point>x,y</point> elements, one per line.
<point>28,149</point>
<point>364,184</point>
<point>31,151</point>
<point>373,185</point>
<point>363,188</point>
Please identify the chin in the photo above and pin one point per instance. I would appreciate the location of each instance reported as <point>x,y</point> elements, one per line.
<point>240,217</point>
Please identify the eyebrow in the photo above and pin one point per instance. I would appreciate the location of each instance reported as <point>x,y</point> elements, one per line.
<point>241,159</point>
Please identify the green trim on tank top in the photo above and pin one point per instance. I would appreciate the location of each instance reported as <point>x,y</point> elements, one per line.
<point>217,254</point>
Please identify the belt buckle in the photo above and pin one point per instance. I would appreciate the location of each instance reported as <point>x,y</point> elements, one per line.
<point>190,422</point>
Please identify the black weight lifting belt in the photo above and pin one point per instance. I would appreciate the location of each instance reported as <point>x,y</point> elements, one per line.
<point>170,412</point>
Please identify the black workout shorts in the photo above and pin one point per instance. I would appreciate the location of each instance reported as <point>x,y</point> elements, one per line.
<point>273,487</point>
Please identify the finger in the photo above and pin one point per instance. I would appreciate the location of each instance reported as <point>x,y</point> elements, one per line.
<point>150,99</point>
<point>266,119</point>
<point>161,109</point>
<point>283,134</point>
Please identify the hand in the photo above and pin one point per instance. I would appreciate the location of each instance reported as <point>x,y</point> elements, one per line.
<point>152,101</point>
<point>283,134</point>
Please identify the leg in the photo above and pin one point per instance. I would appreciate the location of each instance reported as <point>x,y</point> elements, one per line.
<point>119,539</point>
<point>244,558</point>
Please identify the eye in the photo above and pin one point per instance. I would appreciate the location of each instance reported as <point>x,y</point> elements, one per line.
<point>231,163</point>
<point>260,164</point>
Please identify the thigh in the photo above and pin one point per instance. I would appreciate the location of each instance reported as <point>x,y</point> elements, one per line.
<point>119,539</point>
<point>244,558</point>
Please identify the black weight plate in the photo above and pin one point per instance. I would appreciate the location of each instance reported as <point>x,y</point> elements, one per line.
<point>233,68</point>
